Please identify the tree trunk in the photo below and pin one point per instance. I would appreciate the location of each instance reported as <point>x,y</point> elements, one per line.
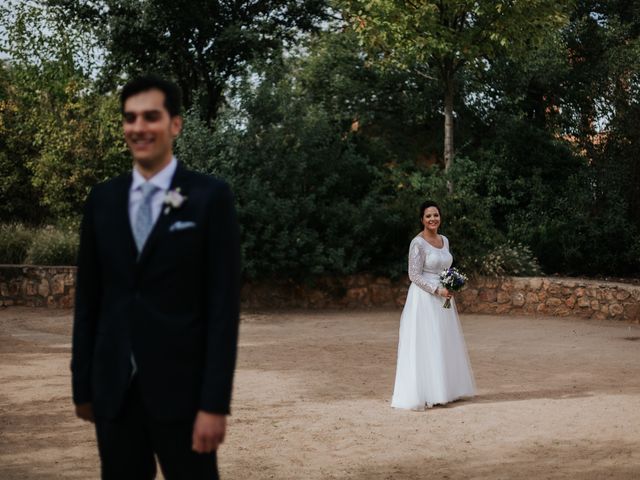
<point>448,123</point>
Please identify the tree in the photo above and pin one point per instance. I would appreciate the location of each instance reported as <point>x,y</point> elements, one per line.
<point>603,93</point>
<point>439,38</point>
<point>202,44</point>
<point>59,135</point>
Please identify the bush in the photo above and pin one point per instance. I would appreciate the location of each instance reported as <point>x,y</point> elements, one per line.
<point>15,240</point>
<point>53,246</point>
<point>303,193</point>
<point>509,259</point>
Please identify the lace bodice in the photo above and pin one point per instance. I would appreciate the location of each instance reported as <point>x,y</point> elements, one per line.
<point>426,262</point>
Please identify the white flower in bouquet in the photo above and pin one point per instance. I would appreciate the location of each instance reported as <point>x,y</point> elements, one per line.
<point>453,280</point>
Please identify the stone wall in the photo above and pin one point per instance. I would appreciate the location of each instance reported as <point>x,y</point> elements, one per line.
<point>35,286</point>
<point>509,295</point>
<point>553,296</point>
<point>55,287</point>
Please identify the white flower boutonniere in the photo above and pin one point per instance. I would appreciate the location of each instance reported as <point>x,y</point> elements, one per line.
<point>173,200</point>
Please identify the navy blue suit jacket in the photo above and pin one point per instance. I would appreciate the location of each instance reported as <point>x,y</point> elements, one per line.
<point>175,307</point>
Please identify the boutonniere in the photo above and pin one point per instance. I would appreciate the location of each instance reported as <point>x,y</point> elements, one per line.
<point>173,200</point>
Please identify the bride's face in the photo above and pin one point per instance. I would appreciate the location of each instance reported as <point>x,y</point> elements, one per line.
<point>431,219</point>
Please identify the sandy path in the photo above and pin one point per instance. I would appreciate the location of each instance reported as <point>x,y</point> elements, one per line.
<point>558,398</point>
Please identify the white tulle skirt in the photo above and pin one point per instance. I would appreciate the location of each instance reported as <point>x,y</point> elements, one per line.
<point>433,363</point>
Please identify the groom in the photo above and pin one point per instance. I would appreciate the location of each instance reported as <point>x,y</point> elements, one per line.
<point>157,303</point>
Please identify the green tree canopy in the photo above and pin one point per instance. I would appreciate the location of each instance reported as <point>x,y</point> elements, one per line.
<point>439,38</point>
<point>202,44</point>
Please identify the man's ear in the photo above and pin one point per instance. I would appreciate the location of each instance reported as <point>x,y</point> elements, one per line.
<point>176,125</point>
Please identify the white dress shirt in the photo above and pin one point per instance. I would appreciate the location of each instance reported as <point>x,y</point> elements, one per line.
<point>162,180</point>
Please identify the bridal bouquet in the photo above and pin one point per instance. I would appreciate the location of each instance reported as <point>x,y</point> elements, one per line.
<point>452,280</point>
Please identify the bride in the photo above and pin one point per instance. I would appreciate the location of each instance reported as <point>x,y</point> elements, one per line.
<point>433,364</point>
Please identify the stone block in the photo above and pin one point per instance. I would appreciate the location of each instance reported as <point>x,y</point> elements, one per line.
<point>58,284</point>
<point>554,289</point>
<point>380,294</point>
<point>316,298</point>
<point>535,283</point>
<point>503,297</point>
<point>487,295</point>
<point>484,307</point>
<point>490,282</point>
<point>622,295</point>
<point>532,297</point>
<point>30,288</point>
<point>468,294</point>
<point>580,292</point>
<point>583,302</point>
<point>570,302</point>
<point>43,288</point>
<point>520,284</point>
<point>352,281</point>
<point>517,299</point>
<point>553,302</point>
<point>595,305</point>
<point>357,294</point>
<point>616,309</point>
<point>505,308</point>
<point>590,292</point>
<point>632,311</point>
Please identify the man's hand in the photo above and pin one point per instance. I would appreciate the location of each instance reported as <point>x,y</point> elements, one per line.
<point>208,431</point>
<point>85,412</point>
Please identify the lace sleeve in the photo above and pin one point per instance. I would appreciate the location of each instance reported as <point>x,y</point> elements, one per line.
<point>417,256</point>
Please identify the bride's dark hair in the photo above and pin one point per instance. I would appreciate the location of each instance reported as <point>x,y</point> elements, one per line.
<point>424,206</point>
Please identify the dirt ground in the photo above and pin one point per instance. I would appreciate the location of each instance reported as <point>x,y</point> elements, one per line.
<point>558,399</point>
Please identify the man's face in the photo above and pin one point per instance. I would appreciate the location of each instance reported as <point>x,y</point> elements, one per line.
<point>149,129</point>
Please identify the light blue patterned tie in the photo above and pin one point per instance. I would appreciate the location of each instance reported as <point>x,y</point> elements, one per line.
<point>144,218</point>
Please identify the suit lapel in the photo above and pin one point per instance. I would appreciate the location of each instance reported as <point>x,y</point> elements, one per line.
<point>121,211</point>
<point>161,227</point>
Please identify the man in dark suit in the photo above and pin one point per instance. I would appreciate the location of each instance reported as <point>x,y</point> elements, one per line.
<point>157,303</point>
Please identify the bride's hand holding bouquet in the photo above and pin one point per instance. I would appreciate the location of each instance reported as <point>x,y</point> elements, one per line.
<point>451,280</point>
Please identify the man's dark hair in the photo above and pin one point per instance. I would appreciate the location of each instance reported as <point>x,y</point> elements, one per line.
<point>172,93</point>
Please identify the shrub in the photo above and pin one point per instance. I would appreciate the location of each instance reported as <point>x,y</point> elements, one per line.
<point>53,246</point>
<point>15,239</point>
<point>508,259</point>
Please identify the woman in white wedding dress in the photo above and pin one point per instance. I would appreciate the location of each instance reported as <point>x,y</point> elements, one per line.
<point>433,364</point>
